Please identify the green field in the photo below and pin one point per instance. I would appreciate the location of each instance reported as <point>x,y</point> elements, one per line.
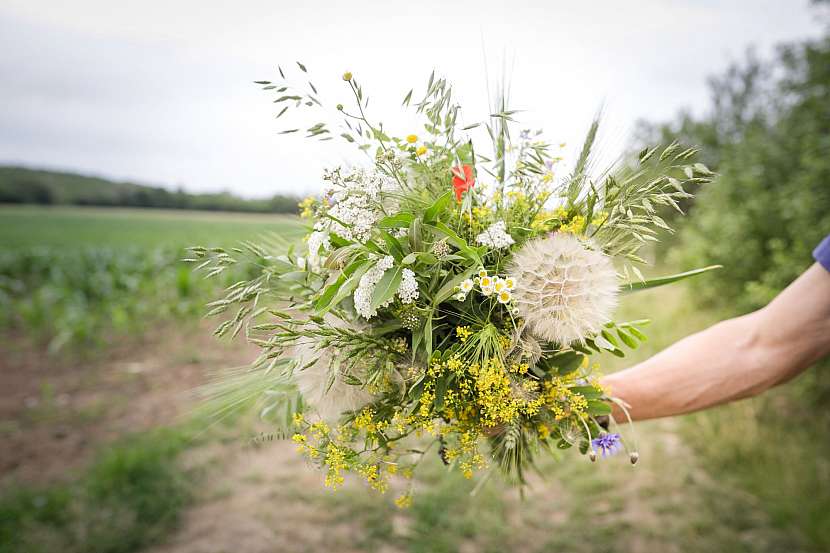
<point>73,227</point>
<point>75,278</point>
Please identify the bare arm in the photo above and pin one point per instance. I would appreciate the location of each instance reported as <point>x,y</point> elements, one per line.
<point>733,359</point>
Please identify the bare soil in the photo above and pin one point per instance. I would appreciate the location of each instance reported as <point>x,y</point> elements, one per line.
<point>56,410</point>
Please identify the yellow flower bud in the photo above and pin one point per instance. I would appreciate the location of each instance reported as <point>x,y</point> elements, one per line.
<point>421,150</point>
<point>412,138</point>
<point>347,76</point>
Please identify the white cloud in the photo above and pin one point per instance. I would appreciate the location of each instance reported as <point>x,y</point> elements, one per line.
<point>161,92</point>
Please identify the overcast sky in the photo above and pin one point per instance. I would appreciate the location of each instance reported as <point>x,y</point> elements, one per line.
<point>160,92</point>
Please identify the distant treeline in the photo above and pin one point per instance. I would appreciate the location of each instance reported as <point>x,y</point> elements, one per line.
<point>32,186</point>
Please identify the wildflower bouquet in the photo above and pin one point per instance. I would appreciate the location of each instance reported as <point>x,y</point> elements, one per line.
<point>448,295</point>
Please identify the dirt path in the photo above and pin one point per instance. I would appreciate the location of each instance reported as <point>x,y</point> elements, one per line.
<point>261,500</point>
<point>56,410</point>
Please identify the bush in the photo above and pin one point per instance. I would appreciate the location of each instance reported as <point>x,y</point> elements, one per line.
<point>771,206</point>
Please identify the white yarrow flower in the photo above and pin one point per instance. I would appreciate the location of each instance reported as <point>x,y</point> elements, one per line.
<point>496,236</point>
<point>567,289</point>
<point>318,241</point>
<point>408,290</point>
<point>366,287</point>
<point>357,202</point>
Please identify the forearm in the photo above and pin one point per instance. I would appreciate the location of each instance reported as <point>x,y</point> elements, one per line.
<point>734,359</point>
<point>694,373</point>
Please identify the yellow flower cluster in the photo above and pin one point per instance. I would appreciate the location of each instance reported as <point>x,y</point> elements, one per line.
<point>478,217</point>
<point>495,397</point>
<point>307,207</point>
<point>576,225</point>
<point>301,440</point>
<point>335,461</point>
<point>376,479</point>
<point>403,501</point>
<point>547,219</point>
<point>463,333</point>
<point>365,421</point>
<point>521,368</point>
<point>562,400</point>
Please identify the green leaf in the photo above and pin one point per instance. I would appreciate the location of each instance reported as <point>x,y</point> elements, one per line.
<point>328,294</point>
<point>428,334</point>
<point>437,207</point>
<point>347,287</point>
<point>661,281</point>
<point>386,288</point>
<point>610,338</point>
<point>372,247</point>
<point>598,407</point>
<point>440,391</point>
<point>415,241</point>
<point>427,258</point>
<point>394,246</point>
<point>409,259</point>
<point>468,252</point>
<point>589,392</point>
<point>401,220</point>
<point>626,338</point>
<point>637,333</point>
<point>565,362</point>
<point>449,287</point>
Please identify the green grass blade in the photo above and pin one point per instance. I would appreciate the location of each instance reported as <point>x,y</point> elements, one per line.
<point>660,281</point>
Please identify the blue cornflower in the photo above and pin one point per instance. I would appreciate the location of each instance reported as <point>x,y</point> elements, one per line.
<point>607,444</point>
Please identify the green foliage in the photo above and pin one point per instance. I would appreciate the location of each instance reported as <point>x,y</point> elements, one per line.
<point>33,186</point>
<point>771,205</point>
<point>80,277</point>
<point>128,498</point>
<point>93,294</point>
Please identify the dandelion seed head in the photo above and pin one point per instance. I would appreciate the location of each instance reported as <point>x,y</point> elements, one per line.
<point>567,288</point>
<point>322,386</point>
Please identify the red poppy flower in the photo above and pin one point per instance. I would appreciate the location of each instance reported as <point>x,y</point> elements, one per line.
<point>462,180</point>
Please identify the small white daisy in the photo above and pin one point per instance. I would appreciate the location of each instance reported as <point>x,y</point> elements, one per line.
<point>466,286</point>
<point>499,285</point>
<point>504,296</point>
